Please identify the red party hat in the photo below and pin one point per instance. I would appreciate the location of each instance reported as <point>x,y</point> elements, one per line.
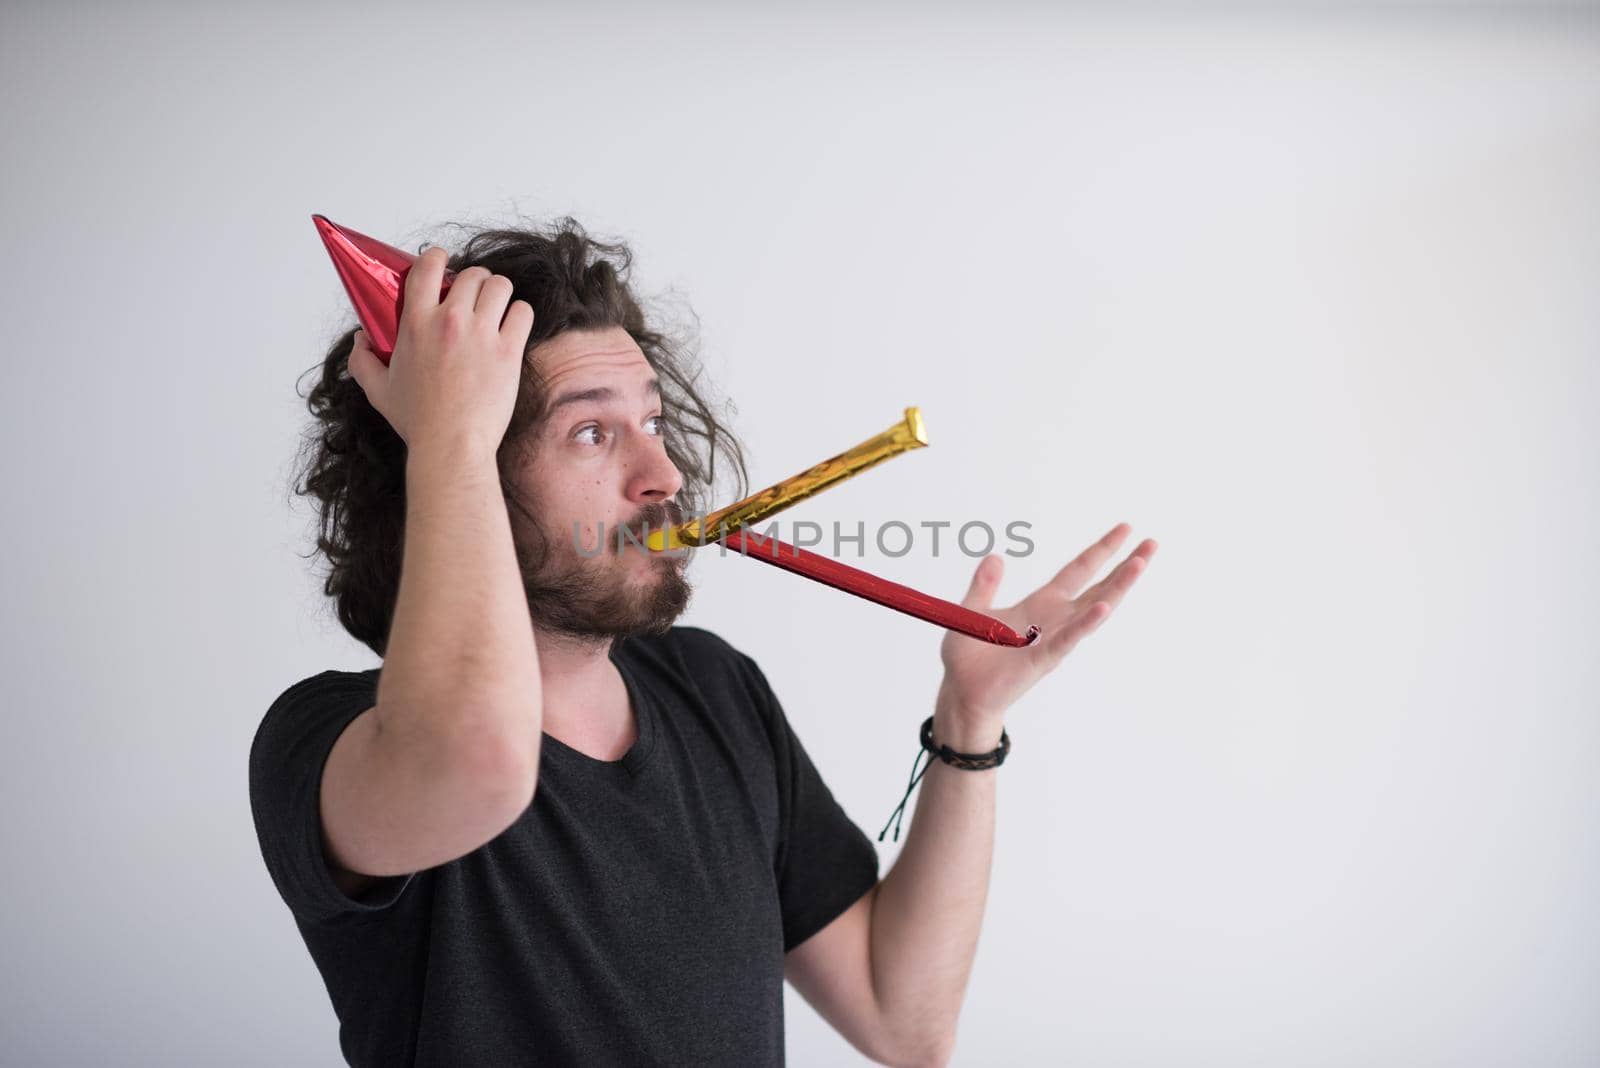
<point>374,274</point>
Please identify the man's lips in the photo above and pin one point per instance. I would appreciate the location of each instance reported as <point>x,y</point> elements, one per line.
<point>635,536</point>
<point>653,519</point>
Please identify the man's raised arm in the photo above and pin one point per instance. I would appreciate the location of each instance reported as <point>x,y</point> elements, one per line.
<point>449,755</point>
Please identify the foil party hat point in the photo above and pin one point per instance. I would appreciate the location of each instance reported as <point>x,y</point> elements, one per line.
<point>374,274</point>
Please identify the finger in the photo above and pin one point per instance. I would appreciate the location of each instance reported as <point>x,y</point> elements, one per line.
<point>493,296</point>
<point>366,368</point>
<point>464,290</point>
<point>985,582</point>
<point>1076,574</point>
<point>423,280</point>
<point>518,324</point>
<point>1076,629</point>
<point>1114,586</point>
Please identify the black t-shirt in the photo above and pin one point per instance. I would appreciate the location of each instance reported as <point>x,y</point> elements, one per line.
<point>637,912</point>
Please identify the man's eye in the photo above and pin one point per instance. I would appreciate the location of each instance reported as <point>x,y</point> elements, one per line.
<point>661,423</point>
<point>583,430</point>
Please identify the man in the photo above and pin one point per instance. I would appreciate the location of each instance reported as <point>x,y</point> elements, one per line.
<point>554,828</point>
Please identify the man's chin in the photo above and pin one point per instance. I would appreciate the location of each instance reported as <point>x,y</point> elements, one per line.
<point>660,596</point>
<point>614,599</point>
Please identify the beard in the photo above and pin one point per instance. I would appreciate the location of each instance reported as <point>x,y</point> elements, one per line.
<point>599,597</point>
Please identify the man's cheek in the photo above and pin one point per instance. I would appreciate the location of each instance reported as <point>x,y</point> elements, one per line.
<point>587,538</point>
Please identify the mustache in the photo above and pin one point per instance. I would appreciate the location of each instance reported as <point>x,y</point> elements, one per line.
<point>657,516</point>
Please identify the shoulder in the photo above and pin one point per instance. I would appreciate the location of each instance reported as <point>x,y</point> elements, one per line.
<point>330,681</point>
<point>312,702</point>
<point>318,689</point>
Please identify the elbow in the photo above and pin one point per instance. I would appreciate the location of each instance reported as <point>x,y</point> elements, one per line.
<point>505,769</point>
<point>936,1054</point>
<point>492,752</point>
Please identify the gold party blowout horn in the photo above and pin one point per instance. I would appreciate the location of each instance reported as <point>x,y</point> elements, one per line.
<point>908,434</point>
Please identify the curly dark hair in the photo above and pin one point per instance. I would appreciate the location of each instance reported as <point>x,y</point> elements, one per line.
<point>352,462</point>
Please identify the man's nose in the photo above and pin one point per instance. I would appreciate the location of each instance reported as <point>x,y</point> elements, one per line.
<point>652,475</point>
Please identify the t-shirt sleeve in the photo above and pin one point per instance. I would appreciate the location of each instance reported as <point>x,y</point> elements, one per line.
<point>286,761</point>
<point>825,862</point>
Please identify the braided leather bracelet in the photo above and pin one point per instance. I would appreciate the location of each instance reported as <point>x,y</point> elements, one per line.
<point>964,761</point>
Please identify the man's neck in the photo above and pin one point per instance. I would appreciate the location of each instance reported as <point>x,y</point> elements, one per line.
<point>584,696</point>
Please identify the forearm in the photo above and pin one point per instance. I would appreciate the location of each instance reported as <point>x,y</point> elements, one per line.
<point>929,908</point>
<point>461,662</point>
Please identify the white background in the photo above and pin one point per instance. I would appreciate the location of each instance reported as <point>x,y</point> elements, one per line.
<point>1308,294</point>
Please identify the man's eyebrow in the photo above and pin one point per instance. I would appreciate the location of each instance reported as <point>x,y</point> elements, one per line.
<point>598,393</point>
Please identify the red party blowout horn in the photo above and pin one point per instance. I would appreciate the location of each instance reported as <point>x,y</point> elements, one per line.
<point>374,274</point>
<point>831,572</point>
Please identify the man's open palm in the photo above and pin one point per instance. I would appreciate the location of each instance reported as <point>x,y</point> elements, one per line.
<point>983,680</point>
